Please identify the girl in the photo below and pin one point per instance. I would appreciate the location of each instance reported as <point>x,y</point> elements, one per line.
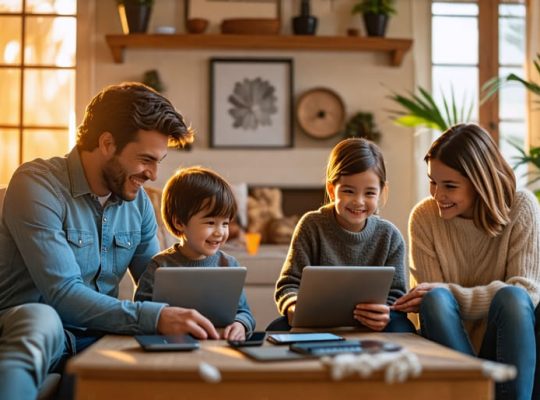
<point>475,255</point>
<point>197,207</point>
<point>346,232</point>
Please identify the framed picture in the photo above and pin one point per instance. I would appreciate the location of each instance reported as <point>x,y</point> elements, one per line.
<point>251,103</point>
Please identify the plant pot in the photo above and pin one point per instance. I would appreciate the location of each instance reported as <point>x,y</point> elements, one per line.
<point>304,25</point>
<point>134,17</point>
<point>375,24</point>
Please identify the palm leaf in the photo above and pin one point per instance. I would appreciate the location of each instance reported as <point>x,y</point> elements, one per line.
<point>422,110</point>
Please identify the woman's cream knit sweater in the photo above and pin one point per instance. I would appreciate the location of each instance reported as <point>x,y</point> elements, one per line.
<point>472,264</point>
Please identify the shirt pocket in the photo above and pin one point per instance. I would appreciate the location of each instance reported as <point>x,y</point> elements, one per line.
<point>125,244</point>
<point>81,243</point>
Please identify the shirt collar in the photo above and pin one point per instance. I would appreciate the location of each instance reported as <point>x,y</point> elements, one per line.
<point>78,182</point>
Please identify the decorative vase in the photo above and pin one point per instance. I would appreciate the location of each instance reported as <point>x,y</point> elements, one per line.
<point>134,17</point>
<point>375,24</point>
<point>305,23</point>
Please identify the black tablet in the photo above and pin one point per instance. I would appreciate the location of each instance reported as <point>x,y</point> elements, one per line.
<point>272,353</point>
<point>167,342</point>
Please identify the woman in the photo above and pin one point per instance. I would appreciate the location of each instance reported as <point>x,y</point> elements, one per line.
<point>475,253</point>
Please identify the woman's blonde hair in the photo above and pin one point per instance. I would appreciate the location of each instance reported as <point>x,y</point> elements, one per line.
<point>472,152</point>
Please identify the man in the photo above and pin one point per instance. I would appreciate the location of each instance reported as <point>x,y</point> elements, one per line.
<point>71,226</point>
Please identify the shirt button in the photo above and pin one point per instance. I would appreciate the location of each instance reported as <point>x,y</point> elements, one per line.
<point>80,241</point>
<point>104,219</point>
<point>129,243</point>
<point>104,249</point>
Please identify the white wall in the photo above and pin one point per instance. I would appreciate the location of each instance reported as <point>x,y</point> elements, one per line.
<point>363,80</point>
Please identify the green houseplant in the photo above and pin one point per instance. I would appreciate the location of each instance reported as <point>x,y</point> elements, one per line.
<point>422,110</point>
<point>362,124</point>
<point>376,14</point>
<point>532,157</point>
<point>134,15</point>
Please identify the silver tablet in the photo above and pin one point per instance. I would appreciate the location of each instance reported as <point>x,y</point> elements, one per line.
<point>328,294</point>
<point>212,291</point>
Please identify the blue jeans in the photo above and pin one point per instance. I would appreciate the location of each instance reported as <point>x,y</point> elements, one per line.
<point>398,323</point>
<point>32,343</point>
<point>509,336</point>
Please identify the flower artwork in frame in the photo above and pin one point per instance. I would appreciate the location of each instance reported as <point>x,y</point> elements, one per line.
<point>251,103</point>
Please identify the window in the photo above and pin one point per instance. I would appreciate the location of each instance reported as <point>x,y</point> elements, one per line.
<point>473,41</point>
<point>37,80</point>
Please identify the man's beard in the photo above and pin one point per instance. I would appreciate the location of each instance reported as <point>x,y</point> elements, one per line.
<point>116,177</point>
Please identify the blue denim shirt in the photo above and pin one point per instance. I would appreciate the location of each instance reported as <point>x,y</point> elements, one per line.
<point>59,246</point>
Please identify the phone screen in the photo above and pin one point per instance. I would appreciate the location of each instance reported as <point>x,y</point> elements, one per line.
<point>256,339</point>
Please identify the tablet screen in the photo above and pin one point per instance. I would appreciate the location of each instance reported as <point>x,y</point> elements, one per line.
<point>285,338</point>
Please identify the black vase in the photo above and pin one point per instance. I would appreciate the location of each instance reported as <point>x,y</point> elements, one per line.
<point>134,17</point>
<point>304,24</point>
<point>375,24</point>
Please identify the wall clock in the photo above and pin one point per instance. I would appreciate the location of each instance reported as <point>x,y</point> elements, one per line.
<point>320,113</point>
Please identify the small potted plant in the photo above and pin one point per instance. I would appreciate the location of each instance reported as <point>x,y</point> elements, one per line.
<point>376,14</point>
<point>134,15</point>
<point>362,125</point>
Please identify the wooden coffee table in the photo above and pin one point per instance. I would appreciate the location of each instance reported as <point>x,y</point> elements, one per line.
<point>117,368</point>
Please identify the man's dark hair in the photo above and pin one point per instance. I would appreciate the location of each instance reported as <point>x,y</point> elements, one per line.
<point>125,109</point>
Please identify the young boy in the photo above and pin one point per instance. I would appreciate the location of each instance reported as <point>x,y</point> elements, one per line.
<point>197,207</point>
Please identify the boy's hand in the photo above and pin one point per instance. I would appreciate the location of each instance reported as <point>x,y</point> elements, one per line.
<point>235,331</point>
<point>374,316</point>
<point>410,301</point>
<point>173,320</point>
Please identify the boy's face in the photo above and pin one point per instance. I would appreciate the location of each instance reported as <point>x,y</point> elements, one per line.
<point>203,235</point>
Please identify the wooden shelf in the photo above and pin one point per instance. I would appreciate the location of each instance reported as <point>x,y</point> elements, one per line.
<point>396,48</point>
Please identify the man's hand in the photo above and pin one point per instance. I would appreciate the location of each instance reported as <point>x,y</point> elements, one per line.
<point>173,320</point>
<point>235,331</point>
<point>410,302</point>
<point>374,316</point>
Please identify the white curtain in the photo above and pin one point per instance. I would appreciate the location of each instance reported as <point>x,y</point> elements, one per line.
<point>533,48</point>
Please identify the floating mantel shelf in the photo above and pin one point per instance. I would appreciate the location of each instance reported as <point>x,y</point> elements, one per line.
<point>395,47</point>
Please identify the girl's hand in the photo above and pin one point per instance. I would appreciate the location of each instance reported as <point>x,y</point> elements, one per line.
<point>290,313</point>
<point>374,316</point>
<point>235,331</point>
<point>410,302</point>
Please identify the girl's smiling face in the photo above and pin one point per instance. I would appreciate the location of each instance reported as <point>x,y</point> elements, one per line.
<point>355,198</point>
<point>454,193</point>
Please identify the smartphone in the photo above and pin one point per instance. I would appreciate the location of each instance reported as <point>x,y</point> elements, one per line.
<point>256,339</point>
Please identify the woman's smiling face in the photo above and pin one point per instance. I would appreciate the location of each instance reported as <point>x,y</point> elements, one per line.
<point>454,193</point>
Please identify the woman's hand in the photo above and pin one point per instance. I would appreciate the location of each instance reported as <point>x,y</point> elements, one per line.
<point>235,331</point>
<point>374,316</point>
<point>410,302</point>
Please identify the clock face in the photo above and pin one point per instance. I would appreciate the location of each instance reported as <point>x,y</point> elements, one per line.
<point>320,113</point>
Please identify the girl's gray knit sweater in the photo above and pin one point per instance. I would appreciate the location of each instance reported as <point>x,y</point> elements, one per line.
<point>319,240</point>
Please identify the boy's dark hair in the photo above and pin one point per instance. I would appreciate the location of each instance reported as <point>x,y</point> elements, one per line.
<point>125,109</point>
<point>190,190</point>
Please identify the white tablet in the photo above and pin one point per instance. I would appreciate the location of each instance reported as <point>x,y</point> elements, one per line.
<point>328,294</point>
<point>212,291</point>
